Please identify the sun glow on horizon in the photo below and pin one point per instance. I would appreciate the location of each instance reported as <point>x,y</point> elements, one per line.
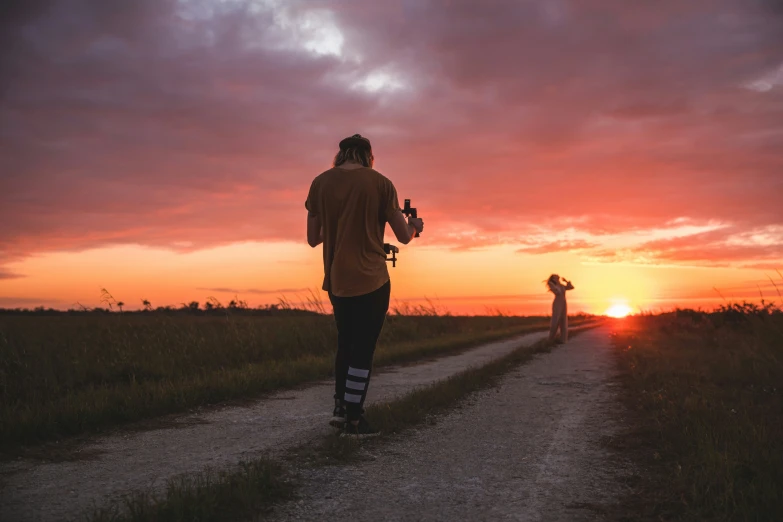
<point>262,272</point>
<point>618,310</point>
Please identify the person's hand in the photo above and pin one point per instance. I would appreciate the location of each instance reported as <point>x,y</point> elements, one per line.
<point>416,223</point>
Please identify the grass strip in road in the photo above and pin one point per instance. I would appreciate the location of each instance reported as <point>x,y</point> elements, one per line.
<point>257,486</point>
<point>704,393</point>
<point>250,489</point>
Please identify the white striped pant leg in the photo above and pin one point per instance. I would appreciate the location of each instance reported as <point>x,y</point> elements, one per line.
<point>356,383</point>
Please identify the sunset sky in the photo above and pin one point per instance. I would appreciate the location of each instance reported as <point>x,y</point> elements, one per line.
<point>163,149</point>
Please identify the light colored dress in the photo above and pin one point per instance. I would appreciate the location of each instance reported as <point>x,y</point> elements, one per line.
<point>559,310</point>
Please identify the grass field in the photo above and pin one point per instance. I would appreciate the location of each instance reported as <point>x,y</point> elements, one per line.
<point>67,375</point>
<point>705,392</point>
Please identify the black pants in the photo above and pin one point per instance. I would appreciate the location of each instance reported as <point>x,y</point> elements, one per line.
<point>359,321</point>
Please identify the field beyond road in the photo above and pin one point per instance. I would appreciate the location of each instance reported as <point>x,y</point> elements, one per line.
<point>68,375</point>
<point>705,398</point>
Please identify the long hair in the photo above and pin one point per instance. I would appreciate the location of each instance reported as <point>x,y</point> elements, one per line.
<point>553,279</point>
<point>360,155</point>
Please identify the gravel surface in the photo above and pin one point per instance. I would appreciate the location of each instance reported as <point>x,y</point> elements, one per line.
<point>56,491</point>
<point>530,449</point>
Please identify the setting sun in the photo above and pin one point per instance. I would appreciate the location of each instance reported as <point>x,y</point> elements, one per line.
<point>618,310</point>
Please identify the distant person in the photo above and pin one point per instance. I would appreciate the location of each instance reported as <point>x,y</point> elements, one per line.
<point>348,208</point>
<point>559,307</point>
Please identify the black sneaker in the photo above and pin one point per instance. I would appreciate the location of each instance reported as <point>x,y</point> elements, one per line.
<point>338,414</point>
<point>361,430</point>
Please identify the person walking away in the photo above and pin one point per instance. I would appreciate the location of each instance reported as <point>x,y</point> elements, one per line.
<point>559,307</point>
<point>348,207</point>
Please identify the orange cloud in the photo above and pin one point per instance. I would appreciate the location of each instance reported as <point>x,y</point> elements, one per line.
<point>256,291</point>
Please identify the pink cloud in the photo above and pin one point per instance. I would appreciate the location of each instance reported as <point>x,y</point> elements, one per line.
<point>728,246</point>
<point>557,246</point>
<point>148,124</point>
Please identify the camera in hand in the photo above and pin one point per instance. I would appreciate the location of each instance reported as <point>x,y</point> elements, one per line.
<point>391,249</point>
<point>410,211</point>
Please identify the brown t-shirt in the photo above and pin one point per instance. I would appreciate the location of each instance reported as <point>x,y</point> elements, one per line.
<point>354,206</point>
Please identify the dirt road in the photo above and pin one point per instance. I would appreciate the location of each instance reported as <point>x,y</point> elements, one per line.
<point>530,450</point>
<point>56,491</point>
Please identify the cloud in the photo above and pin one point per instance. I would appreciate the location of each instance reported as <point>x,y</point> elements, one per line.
<point>29,302</point>
<point>253,291</point>
<point>760,248</point>
<point>557,246</point>
<point>769,265</point>
<point>170,123</point>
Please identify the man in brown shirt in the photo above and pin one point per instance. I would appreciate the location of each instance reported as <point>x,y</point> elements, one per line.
<point>348,208</point>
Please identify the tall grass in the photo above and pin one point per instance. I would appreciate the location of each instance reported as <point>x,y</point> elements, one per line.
<point>705,391</point>
<point>65,375</point>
